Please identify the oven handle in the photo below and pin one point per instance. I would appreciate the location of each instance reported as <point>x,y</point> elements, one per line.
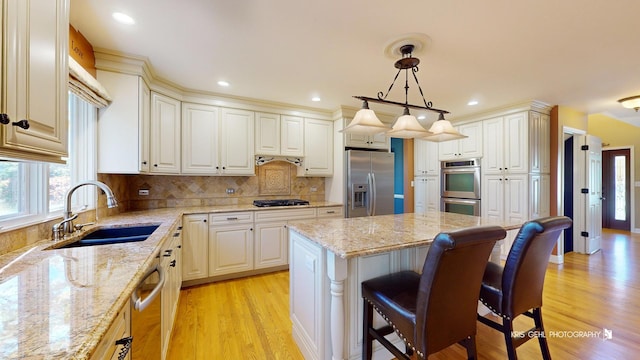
<point>468,169</point>
<point>140,304</point>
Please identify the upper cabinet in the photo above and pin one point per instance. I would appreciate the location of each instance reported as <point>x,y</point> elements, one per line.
<point>217,141</point>
<point>318,148</point>
<point>237,142</point>
<point>34,81</point>
<point>426,161</point>
<point>520,143</point>
<point>165,134</point>
<point>377,141</point>
<point>279,135</point>
<point>123,126</point>
<point>469,147</point>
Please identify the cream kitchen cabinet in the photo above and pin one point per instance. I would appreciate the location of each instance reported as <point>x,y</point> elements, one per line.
<point>165,134</point>
<point>200,139</point>
<point>539,190</point>
<point>34,82</point>
<point>330,212</point>
<point>107,349</point>
<point>426,161</point>
<point>230,243</point>
<point>508,150</point>
<point>170,260</point>
<point>195,246</point>
<point>377,141</point>
<point>426,193</point>
<point>272,236</point>
<point>217,141</point>
<point>237,149</point>
<point>318,148</point>
<point>506,197</point>
<point>279,135</point>
<point>539,142</point>
<point>124,125</point>
<point>469,147</point>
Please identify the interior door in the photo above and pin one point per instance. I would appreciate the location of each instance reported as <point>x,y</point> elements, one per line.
<point>587,229</point>
<point>616,184</point>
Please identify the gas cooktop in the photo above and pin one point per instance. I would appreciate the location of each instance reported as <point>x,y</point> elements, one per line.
<point>282,202</point>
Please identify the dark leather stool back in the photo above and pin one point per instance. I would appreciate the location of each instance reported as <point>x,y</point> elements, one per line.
<point>438,308</point>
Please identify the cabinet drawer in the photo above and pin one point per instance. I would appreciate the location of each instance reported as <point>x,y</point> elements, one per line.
<point>285,214</point>
<point>334,211</point>
<point>231,218</point>
<point>107,347</point>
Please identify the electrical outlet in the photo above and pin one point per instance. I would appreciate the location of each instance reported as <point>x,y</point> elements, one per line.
<point>313,189</point>
<point>143,192</point>
<point>231,191</point>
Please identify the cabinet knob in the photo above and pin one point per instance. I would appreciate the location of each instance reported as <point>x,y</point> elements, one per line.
<point>4,119</point>
<point>205,220</point>
<point>21,124</point>
<point>223,167</point>
<point>144,163</point>
<point>217,167</point>
<point>172,263</point>
<point>155,165</point>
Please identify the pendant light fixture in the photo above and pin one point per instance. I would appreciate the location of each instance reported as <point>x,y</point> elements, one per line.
<point>442,130</point>
<point>406,126</point>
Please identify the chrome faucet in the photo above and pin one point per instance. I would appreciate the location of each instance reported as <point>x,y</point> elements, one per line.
<point>66,225</point>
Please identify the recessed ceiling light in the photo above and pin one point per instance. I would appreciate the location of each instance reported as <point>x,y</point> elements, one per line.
<point>223,83</point>
<point>315,98</point>
<point>472,102</point>
<point>123,18</point>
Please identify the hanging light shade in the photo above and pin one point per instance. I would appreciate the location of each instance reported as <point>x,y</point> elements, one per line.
<point>442,130</point>
<point>407,127</point>
<point>365,122</point>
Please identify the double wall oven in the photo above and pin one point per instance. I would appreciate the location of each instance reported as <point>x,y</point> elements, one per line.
<point>460,186</point>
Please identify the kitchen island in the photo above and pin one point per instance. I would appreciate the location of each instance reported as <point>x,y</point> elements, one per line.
<point>330,258</point>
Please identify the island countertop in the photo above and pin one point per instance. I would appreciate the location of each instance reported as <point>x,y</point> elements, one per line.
<point>359,236</point>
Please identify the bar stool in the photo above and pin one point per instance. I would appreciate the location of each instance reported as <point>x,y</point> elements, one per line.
<point>516,288</point>
<point>438,308</point>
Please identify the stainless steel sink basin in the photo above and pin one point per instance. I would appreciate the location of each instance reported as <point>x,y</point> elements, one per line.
<point>114,235</point>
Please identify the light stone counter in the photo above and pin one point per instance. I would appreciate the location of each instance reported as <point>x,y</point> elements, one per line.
<point>58,304</point>
<point>352,237</point>
<point>329,259</point>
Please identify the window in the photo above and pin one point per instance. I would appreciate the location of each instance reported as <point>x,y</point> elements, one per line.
<point>31,192</point>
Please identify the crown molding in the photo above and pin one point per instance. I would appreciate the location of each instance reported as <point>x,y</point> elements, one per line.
<point>529,105</point>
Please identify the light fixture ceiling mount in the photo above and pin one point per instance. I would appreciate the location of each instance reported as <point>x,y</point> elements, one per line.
<point>631,102</point>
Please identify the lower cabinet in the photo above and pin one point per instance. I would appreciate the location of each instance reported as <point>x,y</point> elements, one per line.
<point>244,242</point>
<point>107,349</point>
<point>171,258</point>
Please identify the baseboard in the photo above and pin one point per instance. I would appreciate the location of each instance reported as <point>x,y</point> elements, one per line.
<point>556,259</point>
<point>636,231</point>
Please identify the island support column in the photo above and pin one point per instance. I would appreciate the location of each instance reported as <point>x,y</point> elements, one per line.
<point>337,272</point>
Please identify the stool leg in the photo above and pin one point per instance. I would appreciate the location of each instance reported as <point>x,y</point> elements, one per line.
<point>544,346</point>
<point>470,344</point>
<point>507,329</point>
<point>367,339</point>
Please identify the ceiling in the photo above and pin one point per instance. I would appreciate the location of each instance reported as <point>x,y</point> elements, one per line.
<point>575,53</point>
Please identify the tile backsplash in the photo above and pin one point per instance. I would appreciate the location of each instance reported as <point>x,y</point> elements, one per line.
<point>275,180</point>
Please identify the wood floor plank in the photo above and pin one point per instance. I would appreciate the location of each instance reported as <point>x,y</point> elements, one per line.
<point>249,318</point>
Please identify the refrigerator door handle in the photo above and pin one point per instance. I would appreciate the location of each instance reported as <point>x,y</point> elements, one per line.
<point>369,194</point>
<point>372,190</point>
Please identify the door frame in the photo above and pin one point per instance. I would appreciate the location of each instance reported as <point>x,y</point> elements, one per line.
<point>633,185</point>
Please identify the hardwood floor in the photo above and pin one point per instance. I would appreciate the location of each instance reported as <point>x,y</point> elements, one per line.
<point>249,318</point>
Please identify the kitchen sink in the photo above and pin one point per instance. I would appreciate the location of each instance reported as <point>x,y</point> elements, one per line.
<point>112,235</point>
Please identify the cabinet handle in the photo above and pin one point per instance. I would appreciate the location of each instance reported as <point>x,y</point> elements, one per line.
<point>4,119</point>
<point>167,253</point>
<point>155,165</point>
<point>331,212</point>
<point>21,124</point>
<point>126,343</point>
<point>232,218</point>
<point>172,263</point>
<point>179,227</point>
<point>176,234</point>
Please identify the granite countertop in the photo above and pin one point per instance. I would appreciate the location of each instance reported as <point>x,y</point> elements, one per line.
<point>354,237</point>
<point>58,304</point>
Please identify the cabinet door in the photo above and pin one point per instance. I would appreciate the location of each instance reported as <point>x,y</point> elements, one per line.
<point>539,129</point>
<point>271,245</point>
<point>267,134</point>
<point>419,195</point>
<point>493,159</point>
<point>516,143</point>
<point>292,136</point>
<point>237,142</point>
<point>448,150</point>
<point>144,126</point>
<point>165,134</point>
<point>539,189</point>
<point>199,139</point>
<point>516,198</point>
<point>470,147</point>
<point>35,75</point>
<point>230,249</point>
<point>379,141</point>
<point>318,148</point>
<point>426,158</point>
<point>195,245</point>
<point>492,205</point>
<point>432,193</point>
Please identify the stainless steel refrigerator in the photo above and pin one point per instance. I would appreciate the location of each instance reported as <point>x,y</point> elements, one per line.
<point>369,183</point>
